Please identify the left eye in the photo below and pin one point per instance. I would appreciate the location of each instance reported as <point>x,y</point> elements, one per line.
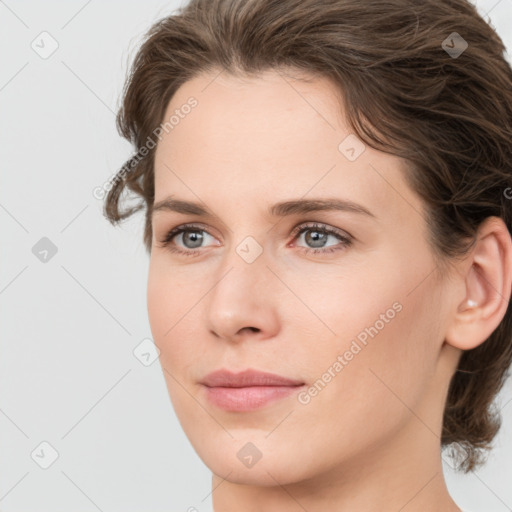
<point>192,238</point>
<point>318,236</point>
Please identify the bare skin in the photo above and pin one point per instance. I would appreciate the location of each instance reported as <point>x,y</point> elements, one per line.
<point>368,438</point>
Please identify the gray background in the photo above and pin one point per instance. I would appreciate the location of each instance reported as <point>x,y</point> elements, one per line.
<point>68,374</point>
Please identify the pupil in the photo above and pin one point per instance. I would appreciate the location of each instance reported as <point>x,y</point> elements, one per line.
<point>197,241</point>
<point>314,239</point>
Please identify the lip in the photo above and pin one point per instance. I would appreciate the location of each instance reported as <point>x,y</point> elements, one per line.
<point>247,390</point>
<point>247,378</point>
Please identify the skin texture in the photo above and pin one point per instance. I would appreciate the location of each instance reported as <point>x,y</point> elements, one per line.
<point>370,439</point>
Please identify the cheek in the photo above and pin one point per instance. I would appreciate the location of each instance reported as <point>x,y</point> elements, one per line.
<point>160,302</point>
<point>382,346</point>
<point>166,303</point>
<point>174,302</point>
<point>391,370</point>
<point>170,294</point>
<point>368,396</point>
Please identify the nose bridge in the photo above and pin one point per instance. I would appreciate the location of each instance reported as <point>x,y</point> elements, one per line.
<point>241,296</point>
<point>242,273</point>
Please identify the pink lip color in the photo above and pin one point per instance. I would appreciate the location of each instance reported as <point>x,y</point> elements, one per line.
<point>247,390</point>
<point>247,398</point>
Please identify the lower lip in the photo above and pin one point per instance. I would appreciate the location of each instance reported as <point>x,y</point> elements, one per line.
<point>248,398</point>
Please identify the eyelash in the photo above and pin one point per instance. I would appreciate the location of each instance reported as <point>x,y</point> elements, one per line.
<point>346,241</point>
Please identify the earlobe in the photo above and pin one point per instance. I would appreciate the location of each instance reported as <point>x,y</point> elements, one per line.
<point>487,285</point>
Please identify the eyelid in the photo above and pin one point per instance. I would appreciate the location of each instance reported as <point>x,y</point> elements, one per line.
<point>323,226</point>
<point>187,226</point>
<point>343,236</point>
<point>174,232</point>
<point>295,230</point>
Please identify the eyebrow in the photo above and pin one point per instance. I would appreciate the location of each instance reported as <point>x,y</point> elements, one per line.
<point>286,208</point>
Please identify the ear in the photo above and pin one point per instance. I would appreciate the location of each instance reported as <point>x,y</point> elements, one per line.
<point>487,283</point>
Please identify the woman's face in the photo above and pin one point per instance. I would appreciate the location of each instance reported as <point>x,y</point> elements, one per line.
<point>345,301</point>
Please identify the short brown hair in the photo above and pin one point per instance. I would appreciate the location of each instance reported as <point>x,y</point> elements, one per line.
<point>403,93</point>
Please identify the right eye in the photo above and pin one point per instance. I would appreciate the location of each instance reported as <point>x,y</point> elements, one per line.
<point>190,234</point>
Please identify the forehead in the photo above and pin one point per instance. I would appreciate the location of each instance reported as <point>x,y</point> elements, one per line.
<point>267,136</point>
<point>260,105</point>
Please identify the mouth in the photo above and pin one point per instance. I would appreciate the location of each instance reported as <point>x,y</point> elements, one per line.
<point>247,390</point>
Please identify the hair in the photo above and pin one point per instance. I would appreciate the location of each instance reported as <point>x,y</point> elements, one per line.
<point>449,116</point>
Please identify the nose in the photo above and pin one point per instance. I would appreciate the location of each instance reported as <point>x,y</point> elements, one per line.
<point>243,301</point>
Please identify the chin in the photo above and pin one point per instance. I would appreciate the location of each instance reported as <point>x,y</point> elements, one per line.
<point>252,459</point>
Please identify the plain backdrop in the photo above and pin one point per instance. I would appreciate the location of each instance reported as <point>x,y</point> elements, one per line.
<point>73,288</point>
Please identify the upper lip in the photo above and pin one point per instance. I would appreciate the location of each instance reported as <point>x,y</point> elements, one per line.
<point>225,378</point>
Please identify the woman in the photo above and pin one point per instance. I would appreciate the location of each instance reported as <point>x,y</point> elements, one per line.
<point>328,217</point>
